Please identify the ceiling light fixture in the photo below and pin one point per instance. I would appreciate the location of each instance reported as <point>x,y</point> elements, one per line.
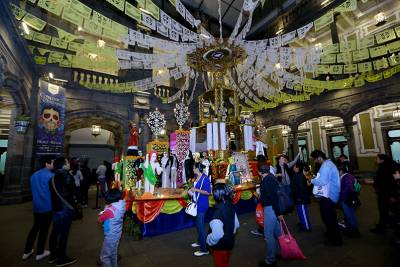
<point>101,43</point>
<point>92,56</point>
<point>96,130</point>
<point>380,19</point>
<point>80,28</point>
<point>328,124</point>
<point>396,113</point>
<point>25,27</point>
<point>325,2</point>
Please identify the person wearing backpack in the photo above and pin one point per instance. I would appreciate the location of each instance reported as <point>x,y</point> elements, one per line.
<point>349,200</point>
<point>223,226</point>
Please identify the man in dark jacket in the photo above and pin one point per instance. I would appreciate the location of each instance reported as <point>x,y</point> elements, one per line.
<point>62,188</point>
<point>384,185</point>
<point>270,202</point>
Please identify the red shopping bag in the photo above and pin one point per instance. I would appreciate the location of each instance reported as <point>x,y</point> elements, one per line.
<point>290,250</point>
<point>260,215</point>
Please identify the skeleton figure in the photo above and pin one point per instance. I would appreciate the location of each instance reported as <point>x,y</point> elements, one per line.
<point>50,119</point>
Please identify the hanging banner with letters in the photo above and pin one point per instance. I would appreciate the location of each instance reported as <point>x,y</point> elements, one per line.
<point>50,119</point>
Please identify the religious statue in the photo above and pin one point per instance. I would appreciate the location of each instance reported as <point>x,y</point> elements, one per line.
<point>173,163</point>
<point>233,173</point>
<point>188,165</point>
<point>260,148</point>
<point>133,140</point>
<point>139,172</point>
<point>151,168</point>
<point>206,163</point>
<point>165,183</point>
<point>117,167</point>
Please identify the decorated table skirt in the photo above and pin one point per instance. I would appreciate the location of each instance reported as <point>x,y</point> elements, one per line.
<point>158,216</point>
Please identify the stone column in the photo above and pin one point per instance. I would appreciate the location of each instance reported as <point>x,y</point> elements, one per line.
<point>351,143</point>
<point>295,140</point>
<point>19,165</point>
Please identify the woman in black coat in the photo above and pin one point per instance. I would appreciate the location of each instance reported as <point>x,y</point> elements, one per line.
<point>300,196</point>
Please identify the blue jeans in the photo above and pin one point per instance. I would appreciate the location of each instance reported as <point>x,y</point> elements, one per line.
<point>109,251</point>
<point>271,232</point>
<point>349,216</point>
<point>200,218</point>
<point>62,221</point>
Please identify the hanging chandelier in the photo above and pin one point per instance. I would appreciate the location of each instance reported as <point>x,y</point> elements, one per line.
<point>182,113</point>
<point>156,122</point>
<point>328,124</point>
<point>96,130</point>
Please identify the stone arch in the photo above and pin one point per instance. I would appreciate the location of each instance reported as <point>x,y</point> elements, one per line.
<point>363,106</point>
<point>13,85</point>
<point>110,121</point>
<point>315,113</point>
<point>19,162</point>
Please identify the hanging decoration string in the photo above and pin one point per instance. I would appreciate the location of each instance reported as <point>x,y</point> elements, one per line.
<point>194,88</point>
<point>220,21</point>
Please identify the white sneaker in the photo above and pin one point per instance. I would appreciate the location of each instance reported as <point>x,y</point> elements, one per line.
<point>201,253</point>
<point>195,245</point>
<point>27,255</point>
<point>45,254</point>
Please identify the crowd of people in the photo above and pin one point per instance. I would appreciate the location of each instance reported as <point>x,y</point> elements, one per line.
<point>59,192</point>
<point>60,186</point>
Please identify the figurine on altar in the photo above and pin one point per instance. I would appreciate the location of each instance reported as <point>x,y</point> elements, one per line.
<point>206,163</point>
<point>139,172</point>
<point>133,140</point>
<point>261,148</point>
<point>151,168</point>
<point>232,172</point>
<point>188,167</point>
<point>173,164</point>
<point>117,168</point>
<point>165,183</point>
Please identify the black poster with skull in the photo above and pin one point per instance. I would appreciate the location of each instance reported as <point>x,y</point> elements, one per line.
<point>50,121</point>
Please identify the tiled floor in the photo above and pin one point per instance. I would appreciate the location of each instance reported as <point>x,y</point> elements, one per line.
<point>173,250</point>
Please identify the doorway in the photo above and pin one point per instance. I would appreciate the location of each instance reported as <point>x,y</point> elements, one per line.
<point>394,144</point>
<point>339,146</point>
<point>303,149</point>
<point>7,105</point>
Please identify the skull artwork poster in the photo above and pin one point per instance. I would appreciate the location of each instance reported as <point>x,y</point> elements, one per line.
<point>50,118</point>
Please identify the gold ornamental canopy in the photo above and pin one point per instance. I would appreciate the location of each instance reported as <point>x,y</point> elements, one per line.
<point>216,57</point>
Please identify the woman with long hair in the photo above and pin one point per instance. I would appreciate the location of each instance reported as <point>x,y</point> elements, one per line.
<point>200,192</point>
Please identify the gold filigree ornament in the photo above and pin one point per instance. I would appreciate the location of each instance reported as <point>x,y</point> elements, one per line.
<point>216,57</point>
